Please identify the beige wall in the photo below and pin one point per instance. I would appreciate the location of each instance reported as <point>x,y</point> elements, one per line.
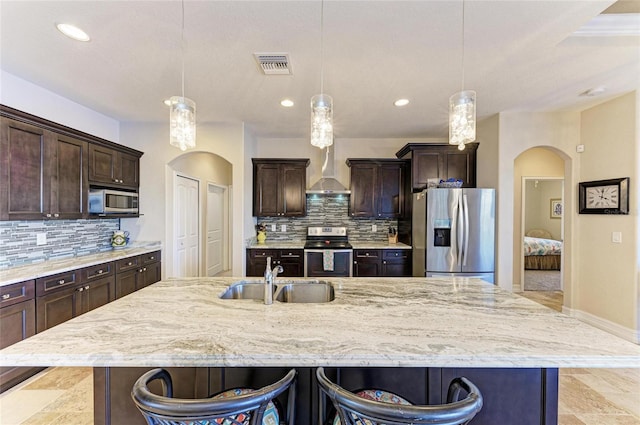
<point>607,272</point>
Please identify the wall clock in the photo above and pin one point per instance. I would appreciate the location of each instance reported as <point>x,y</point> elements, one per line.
<point>604,196</point>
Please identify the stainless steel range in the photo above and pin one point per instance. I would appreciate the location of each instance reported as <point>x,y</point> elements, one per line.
<point>327,252</point>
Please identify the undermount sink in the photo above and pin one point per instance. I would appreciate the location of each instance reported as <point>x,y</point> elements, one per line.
<point>287,291</point>
<point>305,292</point>
<point>245,290</point>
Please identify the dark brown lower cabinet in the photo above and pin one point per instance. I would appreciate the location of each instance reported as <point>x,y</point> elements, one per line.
<point>135,273</point>
<point>382,263</point>
<point>291,260</point>
<point>526,396</point>
<point>17,322</point>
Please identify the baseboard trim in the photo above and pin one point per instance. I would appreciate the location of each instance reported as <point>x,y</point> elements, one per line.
<point>623,332</point>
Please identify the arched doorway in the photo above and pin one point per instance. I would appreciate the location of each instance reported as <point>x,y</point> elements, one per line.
<point>209,251</point>
<point>539,175</point>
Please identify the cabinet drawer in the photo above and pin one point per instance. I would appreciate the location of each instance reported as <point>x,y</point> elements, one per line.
<point>127,264</point>
<point>366,253</point>
<point>263,253</point>
<point>294,253</point>
<point>395,254</point>
<point>96,272</point>
<point>151,257</point>
<point>51,283</point>
<point>17,292</point>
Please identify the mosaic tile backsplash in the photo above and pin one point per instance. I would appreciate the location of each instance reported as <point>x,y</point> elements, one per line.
<point>328,210</point>
<point>65,238</point>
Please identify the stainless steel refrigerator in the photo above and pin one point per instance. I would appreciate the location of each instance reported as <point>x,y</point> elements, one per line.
<point>453,233</point>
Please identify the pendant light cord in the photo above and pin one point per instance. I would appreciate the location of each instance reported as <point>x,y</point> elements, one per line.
<point>182,49</point>
<point>462,88</point>
<point>322,47</point>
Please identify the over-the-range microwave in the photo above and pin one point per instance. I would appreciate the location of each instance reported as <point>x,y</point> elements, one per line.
<point>109,201</point>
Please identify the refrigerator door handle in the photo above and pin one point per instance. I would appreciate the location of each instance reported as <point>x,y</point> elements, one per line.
<point>460,232</point>
<point>465,205</point>
<point>454,254</point>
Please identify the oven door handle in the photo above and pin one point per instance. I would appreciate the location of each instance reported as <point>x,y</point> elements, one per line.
<point>328,249</point>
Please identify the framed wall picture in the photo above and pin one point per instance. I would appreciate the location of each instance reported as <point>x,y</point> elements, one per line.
<point>556,208</point>
<point>604,196</point>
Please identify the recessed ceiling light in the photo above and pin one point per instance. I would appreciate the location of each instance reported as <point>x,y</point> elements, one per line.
<point>401,102</point>
<point>72,31</point>
<point>287,103</point>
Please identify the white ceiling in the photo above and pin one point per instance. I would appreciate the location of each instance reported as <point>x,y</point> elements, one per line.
<point>519,55</point>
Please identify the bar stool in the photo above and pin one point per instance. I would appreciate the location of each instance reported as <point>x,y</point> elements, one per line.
<point>234,407</point>
<point>354,410</point>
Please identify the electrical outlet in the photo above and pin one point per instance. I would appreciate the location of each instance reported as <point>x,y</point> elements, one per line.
<point>374,228</point>
<point>41,238</point>
<point>273,227</point>
<point>283,228</point>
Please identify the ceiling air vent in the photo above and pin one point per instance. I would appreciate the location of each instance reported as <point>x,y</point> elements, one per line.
<point>274,63</point>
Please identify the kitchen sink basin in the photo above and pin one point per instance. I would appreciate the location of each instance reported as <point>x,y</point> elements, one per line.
<point>245,290</point>
<point>287,291</point>
<point>305,292</point>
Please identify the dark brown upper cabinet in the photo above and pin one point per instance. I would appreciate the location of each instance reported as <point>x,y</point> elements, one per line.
<point>379,188</point>
<point>46,168</point>
<point>440,162</point>
<point>113,168</point>
<point>279,187</point>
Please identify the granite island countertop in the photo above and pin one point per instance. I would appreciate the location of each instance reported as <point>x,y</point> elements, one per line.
<point>61,265</point>
<point>373,322</point>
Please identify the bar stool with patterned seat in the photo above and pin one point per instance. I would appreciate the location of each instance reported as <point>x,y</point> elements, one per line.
<point>232,407</point>
<point>356,410</point>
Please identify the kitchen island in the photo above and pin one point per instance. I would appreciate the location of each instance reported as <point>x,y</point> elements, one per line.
<point>412,334</point>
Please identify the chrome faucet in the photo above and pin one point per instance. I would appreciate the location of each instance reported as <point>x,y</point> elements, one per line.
<point>270,276</point>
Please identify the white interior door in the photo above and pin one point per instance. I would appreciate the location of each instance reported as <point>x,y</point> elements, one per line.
<point>187,251</point>
<point>215,229</point>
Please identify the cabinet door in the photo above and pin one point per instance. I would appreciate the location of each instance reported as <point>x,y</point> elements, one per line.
<point>292,261</point>
<point>25,183</point>
<point>151,274</point>
<point>129,167</point>
<point>427,164</point>
<point>366,263</point>
<point>127,282</point>
<point>461,165</point>
<point>362,202</point>
<point>17,322</point>
<point>391,184</point>
<point>293,191</point>
<point>396,263</point>
<point>257,260</point>
<point>103,164</point>
<point>265,190</point>
<point>70,185</point>
<point>57,307</point>
<point>97,293</point>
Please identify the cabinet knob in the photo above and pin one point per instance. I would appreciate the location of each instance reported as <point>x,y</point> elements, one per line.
<point>56,215</point>
<point>367,254</point>
<point>6,296</point>
<point>384,262</point>
<point>144,269</point>
<point>80,289</point>
<point>100,271</point>
<point>355,262</point>
<point>129,263</point>
<point>86,287</point>
<point>61,282</point>
<point>140,271</point>
<point>152,258</point>
<point>48,215</point>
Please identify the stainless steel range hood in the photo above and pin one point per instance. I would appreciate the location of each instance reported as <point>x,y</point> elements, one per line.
<point>328,185</point>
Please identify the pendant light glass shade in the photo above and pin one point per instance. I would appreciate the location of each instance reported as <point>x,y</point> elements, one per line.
<point>321,121</point>
<point>182,123</point>
<point>462,118</point>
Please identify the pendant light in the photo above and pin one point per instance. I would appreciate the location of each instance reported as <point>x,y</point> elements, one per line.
<point>462,109</point>
<point>182,115</point>
<point>321,104</point>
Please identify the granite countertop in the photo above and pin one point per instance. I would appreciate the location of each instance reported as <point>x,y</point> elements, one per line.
<point>373,322</point>
<point>379,245</point>
<point>61,265</point>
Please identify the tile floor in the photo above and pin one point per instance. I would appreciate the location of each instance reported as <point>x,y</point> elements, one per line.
<point>63,396</point>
